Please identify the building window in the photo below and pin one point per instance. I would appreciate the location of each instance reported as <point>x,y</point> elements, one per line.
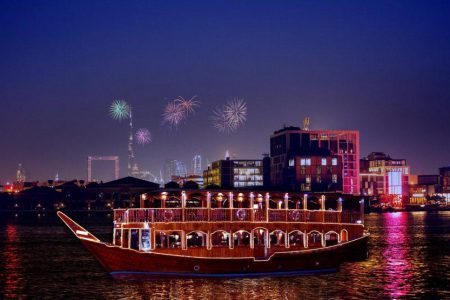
<point>308,161</point>
<point>334,161</point>
<point>303,162</point>
<point>324,161</point>
<point>334,178</point>
<point>308,179</point>
<point>318,169</point>
<point>318,179</point>
<point>291,162</point>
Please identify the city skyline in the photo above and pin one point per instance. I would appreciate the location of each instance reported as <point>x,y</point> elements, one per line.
<point>383,71</point>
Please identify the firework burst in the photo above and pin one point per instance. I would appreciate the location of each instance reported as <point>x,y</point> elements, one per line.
<point>219,120</point>
<point>231,116</point>
<point>173,114</point>
<point>188,105</point>
<point>120,110</point>
<point>143,136</point>
<point>236,112</point>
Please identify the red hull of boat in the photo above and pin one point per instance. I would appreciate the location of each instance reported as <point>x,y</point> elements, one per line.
<point>117,260</point>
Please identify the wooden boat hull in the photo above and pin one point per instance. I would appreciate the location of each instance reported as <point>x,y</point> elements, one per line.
<point>117,260</point>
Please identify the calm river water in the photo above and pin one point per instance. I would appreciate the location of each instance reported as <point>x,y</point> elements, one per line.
<point>409,258</point>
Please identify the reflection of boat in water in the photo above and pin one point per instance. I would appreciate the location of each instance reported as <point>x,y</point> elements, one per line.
<point>226,234</point>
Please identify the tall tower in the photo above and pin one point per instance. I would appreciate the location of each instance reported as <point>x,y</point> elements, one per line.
<point>130,146</point>
<point>20,175</point>
<point>197,165</point>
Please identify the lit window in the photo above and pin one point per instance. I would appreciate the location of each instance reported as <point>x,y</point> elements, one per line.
<point>302,162</point>
<point>308,179</point>
<point>334,178</point>
<point>324,161</point>
<point>334,161</point>
<point>308,161</point>
<point>291,162</point>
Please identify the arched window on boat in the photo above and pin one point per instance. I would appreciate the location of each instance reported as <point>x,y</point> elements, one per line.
<point>194,202</point>
<point>196,239</point>
<point>220,239</point>
<point>295,202</point>
<point>219,200</point>
<point>296,239</point>
<point>240,200</point>
<point>173,202</point>
<point>259,237</point>
<point>331,238</point>
<point>277,238</point>
<point>168,239</point>
<point>313,203</point>
<point>276,203</point>
<point>314,239</point>
<point>344,235</point>
<point>241,238</point>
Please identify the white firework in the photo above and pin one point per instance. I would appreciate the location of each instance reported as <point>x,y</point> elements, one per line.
<point>143,136</point>
<point>236,112</point>
<point>188,105</point>
<point>231,116</point>
<point>173,114</point>
<point>219,120</point>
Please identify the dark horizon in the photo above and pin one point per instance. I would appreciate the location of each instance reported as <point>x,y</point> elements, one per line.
<point>382,68</point>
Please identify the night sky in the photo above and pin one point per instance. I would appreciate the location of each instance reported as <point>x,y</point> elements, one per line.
<point>381,67</point>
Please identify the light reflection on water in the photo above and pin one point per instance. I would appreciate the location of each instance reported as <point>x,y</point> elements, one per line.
<point>409,258</point>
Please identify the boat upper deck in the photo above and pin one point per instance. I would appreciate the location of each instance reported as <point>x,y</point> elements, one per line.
<point>166,207</point>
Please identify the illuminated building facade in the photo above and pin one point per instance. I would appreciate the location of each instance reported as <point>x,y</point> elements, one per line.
<point>444,174</point>
<point>386,177</point>
<point>315,160</point>
<point>231,173</point>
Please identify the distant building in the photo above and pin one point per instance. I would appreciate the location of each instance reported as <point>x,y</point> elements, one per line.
<point>182,180</point>
<point>174,168</point>
<point>234,173</point>
<point>20,174</point>
<point>384,176</point>
<point>197,165</point>
<point>315,160</point>
<point>430,183</point>
<point>444,176</point>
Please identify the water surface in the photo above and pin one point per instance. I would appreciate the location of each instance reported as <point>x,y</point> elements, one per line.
<point>409,258</point>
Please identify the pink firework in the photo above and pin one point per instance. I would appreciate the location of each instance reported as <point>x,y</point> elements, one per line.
<point>173,114</point>
<point>188,105</point>
<point>143,136</point>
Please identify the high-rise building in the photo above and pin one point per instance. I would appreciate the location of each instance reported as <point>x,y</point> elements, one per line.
<point>236,173</point>
<point>174,168</point>
<point>315,160</point>
<point>384,176</point>
<point>20,174</point>
<point>197,165</point>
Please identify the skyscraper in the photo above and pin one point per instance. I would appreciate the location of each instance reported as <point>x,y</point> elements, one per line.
<point>20,175</point>
<point>197,165</point>
<point>174,168</point>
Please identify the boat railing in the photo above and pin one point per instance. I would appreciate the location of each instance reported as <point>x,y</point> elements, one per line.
<point>161,215</point>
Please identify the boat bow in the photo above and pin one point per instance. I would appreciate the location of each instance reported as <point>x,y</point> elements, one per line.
<point>77,229</point>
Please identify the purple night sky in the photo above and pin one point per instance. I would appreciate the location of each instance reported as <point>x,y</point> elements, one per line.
<point>381,67</point>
